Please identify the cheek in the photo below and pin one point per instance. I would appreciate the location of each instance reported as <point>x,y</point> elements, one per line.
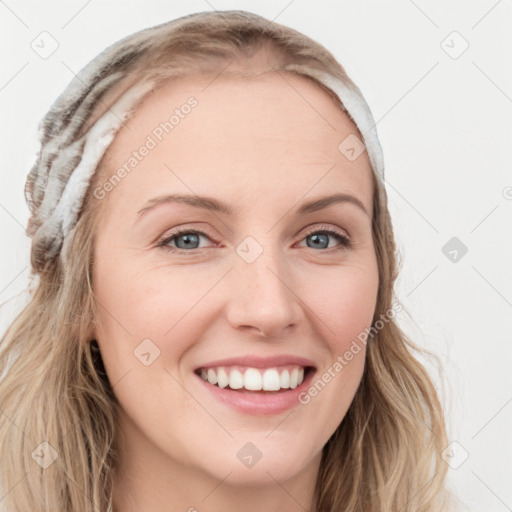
<point>342,304</point>
<point>136,306</point>
<point>343,301</point>
<point>145,305</point>
<point>175,306</point>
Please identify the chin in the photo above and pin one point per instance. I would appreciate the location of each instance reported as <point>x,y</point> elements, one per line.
<point>249,467</point>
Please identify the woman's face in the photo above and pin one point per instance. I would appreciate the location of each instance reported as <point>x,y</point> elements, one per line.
<point>257,277</point>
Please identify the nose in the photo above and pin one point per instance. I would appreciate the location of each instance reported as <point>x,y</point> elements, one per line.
<point>262,299</point>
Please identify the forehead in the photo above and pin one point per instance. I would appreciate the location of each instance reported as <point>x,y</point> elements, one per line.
<point>245,137</point>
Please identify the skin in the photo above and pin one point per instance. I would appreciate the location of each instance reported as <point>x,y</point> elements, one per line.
<point>264,146</point>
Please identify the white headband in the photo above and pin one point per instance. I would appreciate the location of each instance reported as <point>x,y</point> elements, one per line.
<point>57,184</point>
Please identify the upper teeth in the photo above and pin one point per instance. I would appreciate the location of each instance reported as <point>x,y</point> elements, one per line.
<point>255,379</point>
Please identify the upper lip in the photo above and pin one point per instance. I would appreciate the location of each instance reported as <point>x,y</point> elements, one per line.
<point>258,361</point>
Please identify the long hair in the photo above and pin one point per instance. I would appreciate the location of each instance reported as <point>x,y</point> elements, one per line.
<point>58,422</point>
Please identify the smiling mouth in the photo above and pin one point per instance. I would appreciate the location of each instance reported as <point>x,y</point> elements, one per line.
<point>245,379</point>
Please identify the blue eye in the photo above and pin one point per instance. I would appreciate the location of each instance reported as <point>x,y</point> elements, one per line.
<point>322,237</point>
<point>187,240</point>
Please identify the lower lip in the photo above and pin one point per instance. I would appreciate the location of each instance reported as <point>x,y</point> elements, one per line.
<point>259,403</point>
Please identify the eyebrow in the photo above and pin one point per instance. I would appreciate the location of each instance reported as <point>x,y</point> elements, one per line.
<point>214,205</point>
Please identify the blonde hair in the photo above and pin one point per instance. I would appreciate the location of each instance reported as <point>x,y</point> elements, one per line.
<point>55,397</point>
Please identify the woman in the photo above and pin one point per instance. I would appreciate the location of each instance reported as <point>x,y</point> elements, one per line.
<point>263,369</point>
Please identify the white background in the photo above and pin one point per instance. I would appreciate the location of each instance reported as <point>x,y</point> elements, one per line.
<point>445,125</point>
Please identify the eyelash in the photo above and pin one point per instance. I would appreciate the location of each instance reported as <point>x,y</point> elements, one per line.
<point>345,242</point>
